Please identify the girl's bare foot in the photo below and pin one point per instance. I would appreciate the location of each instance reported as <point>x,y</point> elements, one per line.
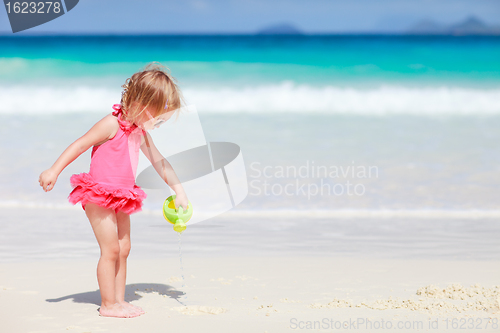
<point>131,307</point>
<point>117,310</point>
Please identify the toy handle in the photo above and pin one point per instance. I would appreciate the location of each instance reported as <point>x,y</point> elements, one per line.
<point>180,211</point>
<point>180,225</point>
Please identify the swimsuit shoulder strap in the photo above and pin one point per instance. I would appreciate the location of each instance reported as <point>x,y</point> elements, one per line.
<point>125,125</point>
<point>118,109</point>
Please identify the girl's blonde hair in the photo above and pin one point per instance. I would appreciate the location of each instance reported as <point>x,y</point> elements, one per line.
<point>153,87</point>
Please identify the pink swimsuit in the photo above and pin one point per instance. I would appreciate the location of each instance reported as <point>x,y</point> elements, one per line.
<point>110,182</point>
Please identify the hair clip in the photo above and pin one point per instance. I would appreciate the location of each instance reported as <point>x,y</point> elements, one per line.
<point>166,104</point>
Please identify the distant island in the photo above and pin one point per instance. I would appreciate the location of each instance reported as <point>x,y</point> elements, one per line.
<point>470,26</point>
<point>280,29</point>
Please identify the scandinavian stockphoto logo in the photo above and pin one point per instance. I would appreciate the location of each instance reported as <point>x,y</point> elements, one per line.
<point>213,174</point>
<point>28,14</point>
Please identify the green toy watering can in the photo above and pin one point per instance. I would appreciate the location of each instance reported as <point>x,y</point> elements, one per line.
<point>177,217</point>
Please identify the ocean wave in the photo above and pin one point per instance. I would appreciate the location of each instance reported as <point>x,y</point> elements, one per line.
<point>275,98</point>
<point>298,213</point>
<point>37,205</point>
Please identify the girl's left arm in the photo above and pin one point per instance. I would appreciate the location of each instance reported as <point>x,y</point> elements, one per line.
<point>165,170</point>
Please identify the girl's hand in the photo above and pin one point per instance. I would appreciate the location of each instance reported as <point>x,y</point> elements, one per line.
<point>48,179</point>
<point>181,200</point>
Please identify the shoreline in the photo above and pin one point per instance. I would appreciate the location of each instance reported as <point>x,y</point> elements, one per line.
<point>34,235</point>
<point>299,213</point>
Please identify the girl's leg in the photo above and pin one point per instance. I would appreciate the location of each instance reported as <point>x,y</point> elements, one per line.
<point>104,224</point>
<point>123,223</point>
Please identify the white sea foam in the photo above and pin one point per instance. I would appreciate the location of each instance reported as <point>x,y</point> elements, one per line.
<point>293,213</point>
<point>47,100</point>
<point>278,98</point>
<point>37,205</point>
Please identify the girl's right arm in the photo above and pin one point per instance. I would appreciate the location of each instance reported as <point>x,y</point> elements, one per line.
<point>102,131</point>
<point>165,170</point>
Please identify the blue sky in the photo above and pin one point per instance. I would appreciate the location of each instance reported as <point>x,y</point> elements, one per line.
<point>248,16</point>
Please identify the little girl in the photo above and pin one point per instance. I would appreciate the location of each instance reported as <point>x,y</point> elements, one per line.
<point>108,193</point>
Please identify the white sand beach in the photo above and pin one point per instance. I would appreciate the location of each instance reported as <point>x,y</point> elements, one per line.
<point>245,275</point>
<point>257,294</point>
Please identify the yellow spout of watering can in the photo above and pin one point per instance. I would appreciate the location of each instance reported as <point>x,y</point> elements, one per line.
<point>177,217</point>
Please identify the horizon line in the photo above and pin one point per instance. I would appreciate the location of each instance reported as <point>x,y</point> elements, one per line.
<point>254,34</point>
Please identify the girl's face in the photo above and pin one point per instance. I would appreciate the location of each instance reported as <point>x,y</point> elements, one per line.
<point>147,122</point>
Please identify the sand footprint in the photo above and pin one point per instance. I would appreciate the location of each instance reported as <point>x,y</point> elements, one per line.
<point>195,310</point>
<point>223,281</point>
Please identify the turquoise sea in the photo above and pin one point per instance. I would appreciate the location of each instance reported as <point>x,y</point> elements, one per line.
<point>424,112</point>
<point>353,145</point>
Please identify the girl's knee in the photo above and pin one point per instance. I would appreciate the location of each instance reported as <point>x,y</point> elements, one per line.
<point>124,248</point>
<point>110,252</point>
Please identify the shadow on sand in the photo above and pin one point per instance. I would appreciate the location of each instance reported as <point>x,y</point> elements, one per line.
<point>94,297</point>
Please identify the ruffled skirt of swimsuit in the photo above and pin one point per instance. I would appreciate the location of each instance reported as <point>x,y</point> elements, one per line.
<point>118,199</point>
